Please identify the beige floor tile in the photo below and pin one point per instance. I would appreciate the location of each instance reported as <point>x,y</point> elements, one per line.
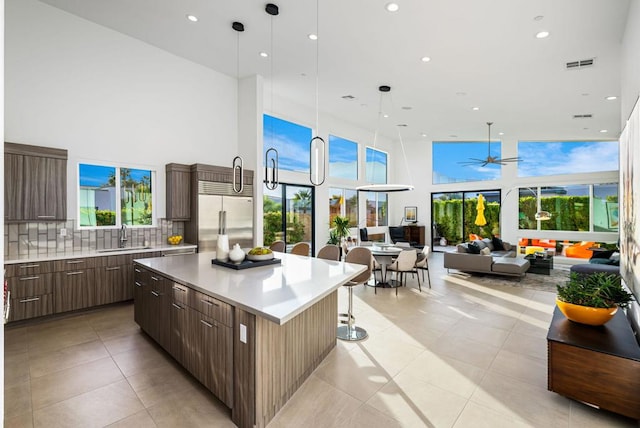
<point>521,367</point>
<point>522,401</point>
<point>67,357</point>
<point>368,417</point>
<point>17,400</point>
<point>160,383</point>
<point>16,368</point>
<point>530,326</point>
<point>96,408</point>
<point>141,419</point>
<point>418,404</point>
<point>390,359</point>
<point>138,360</point>
<point>23,420</point>
<point>527,345</point>
<point>16,340</point>
<point>132,340</point>
<point>353,373</point>
<point>584,416</point>
<point>492,319</point>
<point>477,416</point>
<point>50,340</point>
<point>446,373</point>
<point>194,408</point>
<point>466,350</point>
<point>64,384</point>
<point>316,404</point>
<point>479,332</point>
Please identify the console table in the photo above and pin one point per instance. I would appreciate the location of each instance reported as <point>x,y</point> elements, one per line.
<point>599,366</point>
<point>414,234</point>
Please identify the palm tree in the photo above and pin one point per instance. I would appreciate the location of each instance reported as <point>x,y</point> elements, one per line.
<point>302,200</point>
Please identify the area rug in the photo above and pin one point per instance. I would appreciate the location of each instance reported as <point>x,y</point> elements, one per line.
<point>530,280</point>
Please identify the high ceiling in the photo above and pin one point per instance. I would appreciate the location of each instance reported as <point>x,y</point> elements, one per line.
<point>484,53</point>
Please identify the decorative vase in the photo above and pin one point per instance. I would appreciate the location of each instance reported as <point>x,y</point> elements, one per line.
<point>586,314</point>
<point>236,255</point>
<point>443,242</point>
<point>222,249</point>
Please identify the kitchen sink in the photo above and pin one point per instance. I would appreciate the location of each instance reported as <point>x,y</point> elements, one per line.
<point>115,250</point>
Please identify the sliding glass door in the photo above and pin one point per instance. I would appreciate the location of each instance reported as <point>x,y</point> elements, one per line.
<point>289,215</point>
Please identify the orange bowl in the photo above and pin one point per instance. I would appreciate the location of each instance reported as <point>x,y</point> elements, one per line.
<point>586,314</point>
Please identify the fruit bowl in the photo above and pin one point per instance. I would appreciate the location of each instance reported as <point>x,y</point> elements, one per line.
<point>174,239</point>
<point>259,257</point>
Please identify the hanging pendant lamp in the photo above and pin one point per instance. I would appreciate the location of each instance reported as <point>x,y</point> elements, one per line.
<point>317,145</point>
<point>387,187</point>
<point>237,166</point>
<point>271,156</point>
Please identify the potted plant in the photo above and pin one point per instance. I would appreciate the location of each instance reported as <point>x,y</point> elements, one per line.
<point>592,299</point>
<point>341,227</point>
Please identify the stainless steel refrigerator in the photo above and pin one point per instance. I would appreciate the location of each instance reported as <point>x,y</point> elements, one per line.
<point>239,217</point>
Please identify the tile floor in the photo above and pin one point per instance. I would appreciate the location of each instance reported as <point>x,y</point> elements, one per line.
<point>458,355</point>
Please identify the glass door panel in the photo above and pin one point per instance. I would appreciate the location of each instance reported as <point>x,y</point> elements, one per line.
<point>288,215</point>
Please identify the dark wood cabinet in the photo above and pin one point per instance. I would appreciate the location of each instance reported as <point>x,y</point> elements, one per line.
<point>414,234</point>
<point>74,289</point>
<point>178,178</point>
<point>597,365</point>
<point>35,183</point>
<point>113,284</point>
<point>158,310</point>
<point>31,290</point>
<point>140,290</point>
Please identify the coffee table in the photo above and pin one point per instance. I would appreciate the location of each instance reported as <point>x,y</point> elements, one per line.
<point>540,265</point>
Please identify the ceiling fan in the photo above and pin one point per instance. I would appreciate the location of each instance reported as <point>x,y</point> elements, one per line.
<point>490,159</point>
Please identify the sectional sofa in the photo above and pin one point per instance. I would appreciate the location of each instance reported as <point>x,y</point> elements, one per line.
<point>491,260</point>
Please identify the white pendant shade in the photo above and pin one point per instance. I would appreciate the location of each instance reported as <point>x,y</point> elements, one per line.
<point>385,188</point>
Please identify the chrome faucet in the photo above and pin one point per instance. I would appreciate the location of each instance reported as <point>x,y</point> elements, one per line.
<point>123,235</point>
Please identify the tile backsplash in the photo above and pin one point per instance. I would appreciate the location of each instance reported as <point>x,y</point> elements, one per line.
<point>38,239</point>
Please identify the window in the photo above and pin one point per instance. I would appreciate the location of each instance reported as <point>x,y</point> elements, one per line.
<point>343,202</point>
<point>99,204</point>
<point>290,140</point>
<point>288,214</point>
<point>566,157</point>
<point>447,156</point>
<point>582,207</point>
<point>376,209</point>
<point>343,158</point>
<point>376,166</point>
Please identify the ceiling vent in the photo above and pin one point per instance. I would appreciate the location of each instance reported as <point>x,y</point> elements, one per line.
<point>582,116</point>
<point>348,97</point>
<point>575,65</point>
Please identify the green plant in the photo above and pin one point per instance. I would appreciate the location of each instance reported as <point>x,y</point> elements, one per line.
<point>596,290</point>
<point>333,238</point>
<point>341,227</point>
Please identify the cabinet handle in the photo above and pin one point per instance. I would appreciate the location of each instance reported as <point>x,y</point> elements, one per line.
<point>75,262</point>
<point>29,278</point>
<point>31,299</point>
<point>113,268</point>
<point>138,270</point>
<point>154,278</point>
<point>179,289</point>
<point>208,324</point>
<point>177,306</point>
<point>138,284</point>
<point>80,272</point>
<point>155,293</point>
<point>29,266</point>
<point>46,216</point>
<point>206,302</point>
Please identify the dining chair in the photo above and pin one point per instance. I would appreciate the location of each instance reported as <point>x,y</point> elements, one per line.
<point>403,244</point>
<point>301,249</point>
<point>405,262</point>
<point>278,246</point>
<point>350,331</point>
<point>423,264</point>
<point>329,252</point>
<point>376,267</point>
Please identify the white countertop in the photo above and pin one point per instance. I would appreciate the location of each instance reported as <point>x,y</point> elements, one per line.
<point>275,292</point>
<point>97,253</point>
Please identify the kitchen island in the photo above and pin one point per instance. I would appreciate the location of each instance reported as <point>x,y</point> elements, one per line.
<point>251,336</point>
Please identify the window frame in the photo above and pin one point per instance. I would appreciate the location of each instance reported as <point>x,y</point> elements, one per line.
<point>118,195</point>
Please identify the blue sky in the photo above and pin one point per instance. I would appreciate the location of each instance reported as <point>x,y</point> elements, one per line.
<point>538,158</point>
<point>98,175</point>
<point>343,158</point>
<point>290,140</point>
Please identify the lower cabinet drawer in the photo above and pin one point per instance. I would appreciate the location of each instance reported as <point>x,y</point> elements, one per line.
<point>211,307</point>
<point>31,307</point>
<point>30,285</point>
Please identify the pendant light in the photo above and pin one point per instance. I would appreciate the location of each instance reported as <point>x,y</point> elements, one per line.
<point>237,166</point>
<point>317,145</point>
<point>386,188</point>
<point>271,159</point>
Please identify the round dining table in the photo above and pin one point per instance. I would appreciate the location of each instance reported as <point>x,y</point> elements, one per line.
<point>385,255</point>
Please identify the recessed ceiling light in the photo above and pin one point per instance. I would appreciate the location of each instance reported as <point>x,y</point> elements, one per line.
<point>425,59</point>
<point>423,134</point>
<point>542,35</point>
<point>192,18</point>
<point>392,7</point>
<point>475,108</point>
<point>603,131</point>
<point>500,133</point>
<point>264,54</point>
<point>313,37</point>
<point>385,115</point>
<point>611,98</point>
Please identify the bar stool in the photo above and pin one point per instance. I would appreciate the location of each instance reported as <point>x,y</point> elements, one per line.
<point>350,332</point>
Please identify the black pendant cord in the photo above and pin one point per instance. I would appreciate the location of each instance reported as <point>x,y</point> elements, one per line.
<point>271,181</point>
<point>317,144</point>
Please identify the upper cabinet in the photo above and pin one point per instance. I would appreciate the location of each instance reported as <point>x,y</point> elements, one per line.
<point>178,192</point>
<point>35,183</point>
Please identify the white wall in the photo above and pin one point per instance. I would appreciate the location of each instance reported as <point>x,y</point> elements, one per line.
<point>630,67</point>
<point>107,97</point>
